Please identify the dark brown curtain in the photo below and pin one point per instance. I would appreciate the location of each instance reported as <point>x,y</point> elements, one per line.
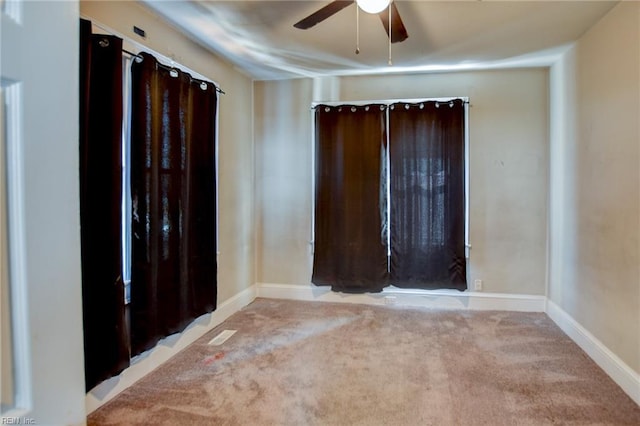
<point>426,147</point>
<point>105,338</point>
<point>173,276</point>
<point>350,244</point>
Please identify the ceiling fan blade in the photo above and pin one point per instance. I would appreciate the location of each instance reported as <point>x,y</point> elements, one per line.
<point>322,14</point>
<point>398,31</point>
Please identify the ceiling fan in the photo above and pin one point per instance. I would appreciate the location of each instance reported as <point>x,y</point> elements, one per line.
<point>379,7</point>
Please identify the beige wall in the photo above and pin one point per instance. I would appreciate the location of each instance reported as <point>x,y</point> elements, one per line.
<point>595,191</point>
<point>508,166</point>
<point>236,230</point>
<point>283,180</point>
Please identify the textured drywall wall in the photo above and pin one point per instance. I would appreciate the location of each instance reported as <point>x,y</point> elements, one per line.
<point>283,180</point>
<point>508,169</point>
<point>595,187</point>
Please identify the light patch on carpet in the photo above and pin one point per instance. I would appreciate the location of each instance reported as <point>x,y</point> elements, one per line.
<point>222,337</point>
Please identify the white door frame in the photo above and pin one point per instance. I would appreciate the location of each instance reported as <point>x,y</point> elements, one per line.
<point>39,69</point>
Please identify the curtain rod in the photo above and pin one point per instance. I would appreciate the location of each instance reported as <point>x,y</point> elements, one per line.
<point>167,67</point>
<point>388,102</point>
<point>135,55</point>
<point>143,47</point>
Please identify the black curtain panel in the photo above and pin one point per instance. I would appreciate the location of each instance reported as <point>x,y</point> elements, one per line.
<point>426,149</point>
<point>350,245</point>
<point>105,337</point>
<point>173,276</point>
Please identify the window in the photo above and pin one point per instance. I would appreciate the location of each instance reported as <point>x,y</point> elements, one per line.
<point>148,200</point>
<point>390,195</point>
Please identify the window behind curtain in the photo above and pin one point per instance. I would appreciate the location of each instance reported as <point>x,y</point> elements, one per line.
<point>350,247</point>
<point>173,191</point>
<point>424,164</point>
<point>106,348</point>
<point>426,153</point>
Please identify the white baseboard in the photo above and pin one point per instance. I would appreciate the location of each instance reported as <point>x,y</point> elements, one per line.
<point>146,362</point>
<point>437,299</point>
<point>617,369</point>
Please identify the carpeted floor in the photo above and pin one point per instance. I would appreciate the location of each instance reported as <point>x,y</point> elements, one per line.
<point>305,363</point>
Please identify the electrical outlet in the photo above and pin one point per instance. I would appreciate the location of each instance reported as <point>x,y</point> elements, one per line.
<point>477,285</point>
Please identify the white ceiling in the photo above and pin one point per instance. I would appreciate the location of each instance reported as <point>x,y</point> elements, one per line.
<point>259,37</point>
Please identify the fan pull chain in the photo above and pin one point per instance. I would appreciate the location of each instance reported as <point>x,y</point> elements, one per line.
<point>357,29</point>
<point>390,33</point>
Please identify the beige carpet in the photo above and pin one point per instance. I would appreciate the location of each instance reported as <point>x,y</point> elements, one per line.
<point>302,363</point>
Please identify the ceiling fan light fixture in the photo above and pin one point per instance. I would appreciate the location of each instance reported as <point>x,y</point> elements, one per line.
<point>373,6</point>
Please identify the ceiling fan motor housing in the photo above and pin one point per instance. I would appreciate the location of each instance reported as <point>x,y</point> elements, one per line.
<point>373,6</point>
